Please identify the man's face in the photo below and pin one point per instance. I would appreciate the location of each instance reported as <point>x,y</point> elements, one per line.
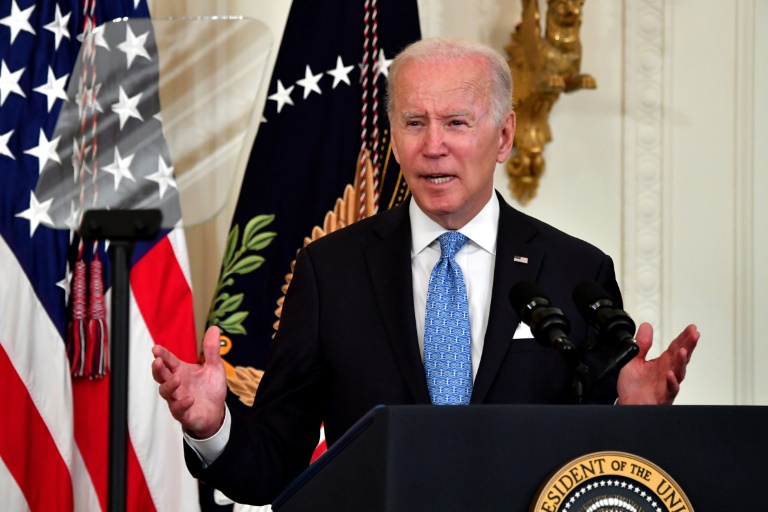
<point>445,139</point>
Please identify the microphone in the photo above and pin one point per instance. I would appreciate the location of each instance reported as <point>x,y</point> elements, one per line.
<point>550,328</point>
<point>613,325</point>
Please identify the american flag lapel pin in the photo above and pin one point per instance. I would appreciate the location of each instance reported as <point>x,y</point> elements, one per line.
<point>520,259</point>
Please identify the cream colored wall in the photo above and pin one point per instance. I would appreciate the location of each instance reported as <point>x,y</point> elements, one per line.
<point>662,166</point>
<point>711,231</point>
<point>758,252</point>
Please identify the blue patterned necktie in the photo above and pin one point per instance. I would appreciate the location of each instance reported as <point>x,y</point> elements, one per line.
<point>447,355</point>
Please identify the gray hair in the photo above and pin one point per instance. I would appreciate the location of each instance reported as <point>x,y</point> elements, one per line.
<point>442,49</point>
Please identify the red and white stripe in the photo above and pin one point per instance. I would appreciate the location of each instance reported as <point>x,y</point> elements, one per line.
<point>53,435</point>
<point>322,446</point>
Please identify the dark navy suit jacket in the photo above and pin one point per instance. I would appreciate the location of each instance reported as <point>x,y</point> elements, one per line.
<point>347,342</point>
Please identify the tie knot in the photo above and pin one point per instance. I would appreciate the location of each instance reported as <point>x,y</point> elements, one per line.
<point>450,243</point>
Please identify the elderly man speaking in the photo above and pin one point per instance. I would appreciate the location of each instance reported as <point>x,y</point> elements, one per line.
<point>411,305</point>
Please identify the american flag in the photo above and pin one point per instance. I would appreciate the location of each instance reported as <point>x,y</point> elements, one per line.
<point>54,429</point>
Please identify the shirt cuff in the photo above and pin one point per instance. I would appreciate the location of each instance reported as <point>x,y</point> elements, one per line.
<point>208,450</point>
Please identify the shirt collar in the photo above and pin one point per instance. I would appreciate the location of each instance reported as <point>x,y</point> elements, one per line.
<point>481,230</point>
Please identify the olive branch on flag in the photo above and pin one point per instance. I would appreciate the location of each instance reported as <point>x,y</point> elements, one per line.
<point>238,262</point>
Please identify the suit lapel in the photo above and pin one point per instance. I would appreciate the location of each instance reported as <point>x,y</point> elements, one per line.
<point>389,264</point>
<point>516,260</point>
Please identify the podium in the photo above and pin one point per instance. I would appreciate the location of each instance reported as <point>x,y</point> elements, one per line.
<point>493,458</point>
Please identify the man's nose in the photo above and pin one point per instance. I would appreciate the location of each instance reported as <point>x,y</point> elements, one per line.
<point>434,142</point>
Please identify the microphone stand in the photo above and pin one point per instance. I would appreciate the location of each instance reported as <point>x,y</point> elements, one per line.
<point>122,228</point>
<point>550,327</point>
<point>581,372</point>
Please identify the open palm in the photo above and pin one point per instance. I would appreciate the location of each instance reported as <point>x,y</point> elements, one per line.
<point>195,393</point>
<point>656,381</point>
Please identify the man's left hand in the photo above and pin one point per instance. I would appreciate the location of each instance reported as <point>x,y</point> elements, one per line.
<point>656,381</point>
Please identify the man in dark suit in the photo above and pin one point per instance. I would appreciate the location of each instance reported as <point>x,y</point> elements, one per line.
<point>353,328</point>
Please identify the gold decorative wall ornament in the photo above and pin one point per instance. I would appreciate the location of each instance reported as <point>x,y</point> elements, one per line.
<point>542,68</point>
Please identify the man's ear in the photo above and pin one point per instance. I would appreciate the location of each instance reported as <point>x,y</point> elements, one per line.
<point>506,137</point>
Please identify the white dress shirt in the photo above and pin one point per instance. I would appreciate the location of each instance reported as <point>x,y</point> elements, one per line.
<point>476,259</point>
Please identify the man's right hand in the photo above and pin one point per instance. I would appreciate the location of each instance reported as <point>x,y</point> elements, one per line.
<point>195,393</point>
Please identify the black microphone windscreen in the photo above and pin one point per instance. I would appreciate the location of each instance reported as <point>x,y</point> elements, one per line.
<point>586,294</point>
<point>522,293</point>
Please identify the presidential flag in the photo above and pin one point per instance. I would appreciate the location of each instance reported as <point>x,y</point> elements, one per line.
<point>54,432</point>
<point>326,101</point>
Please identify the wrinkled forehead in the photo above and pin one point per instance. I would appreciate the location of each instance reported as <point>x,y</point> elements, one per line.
<point>468,77</point>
